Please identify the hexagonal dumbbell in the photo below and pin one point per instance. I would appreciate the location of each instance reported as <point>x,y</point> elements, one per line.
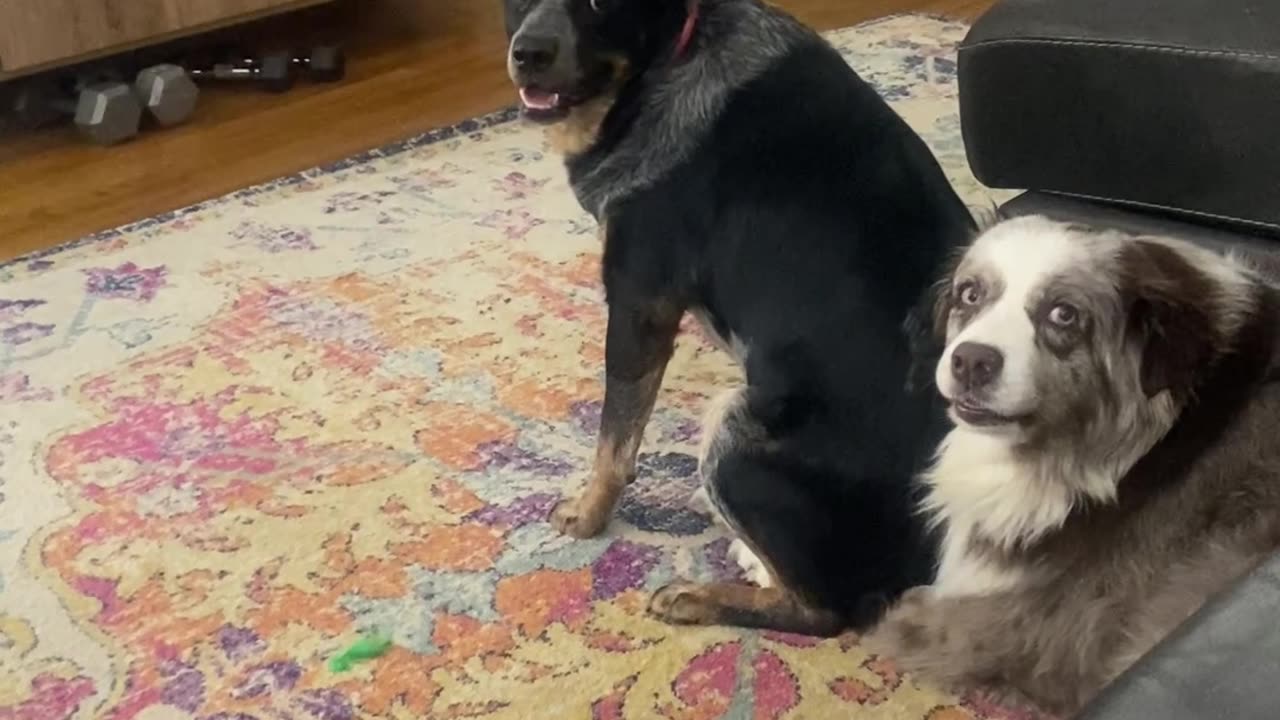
<point>167,92</point>
<point>106,113</point>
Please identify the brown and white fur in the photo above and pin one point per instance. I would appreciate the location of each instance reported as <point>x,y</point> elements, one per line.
<point>1114,460</point>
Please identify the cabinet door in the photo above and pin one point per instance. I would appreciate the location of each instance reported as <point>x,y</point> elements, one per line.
<point>43,32</point>
<point>195,13</point>
<point>36,32</point>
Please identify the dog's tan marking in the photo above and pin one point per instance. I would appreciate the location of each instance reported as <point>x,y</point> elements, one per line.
<point>576,133</point>
<point>740,605</point>
<point>615,462</point>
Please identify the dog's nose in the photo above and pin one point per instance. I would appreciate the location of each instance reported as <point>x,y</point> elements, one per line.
<point>975,365</point>
<point>534,52</point>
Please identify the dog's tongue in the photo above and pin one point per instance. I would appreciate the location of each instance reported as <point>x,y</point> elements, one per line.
<point>538,99</point>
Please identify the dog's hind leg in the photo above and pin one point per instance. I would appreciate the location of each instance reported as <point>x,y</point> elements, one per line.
<point>778,554</point>
<point>726,425</point>
<point>741,605</point>
<point>836,550</point>
<point>638,344</point>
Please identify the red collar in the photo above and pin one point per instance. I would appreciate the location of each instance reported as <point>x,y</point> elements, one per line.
<point>686,34</point>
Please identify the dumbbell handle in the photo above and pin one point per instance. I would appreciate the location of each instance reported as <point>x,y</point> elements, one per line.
<point>225,72</point>
<point>250,61</point>
<point>64,105</point>
<point>229,71</point>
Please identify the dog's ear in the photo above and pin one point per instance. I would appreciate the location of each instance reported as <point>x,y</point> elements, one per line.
<point>942,302</point>
<point>940,299</point>
<point>986,218</point>
<point>926,328</point>
<point>1171,319</point>
<point>927,322</point>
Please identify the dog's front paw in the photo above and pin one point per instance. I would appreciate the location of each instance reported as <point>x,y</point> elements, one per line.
<point>579,519</point>
<point>681,604</point>
<point>909,630</point>
<point>915,600</point>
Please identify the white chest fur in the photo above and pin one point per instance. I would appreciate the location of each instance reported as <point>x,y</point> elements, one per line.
<point>979,482</point>
<point>979,486</point>
<point>963,572</point>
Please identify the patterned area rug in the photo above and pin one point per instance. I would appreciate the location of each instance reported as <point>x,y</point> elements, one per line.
<point>235,438</point>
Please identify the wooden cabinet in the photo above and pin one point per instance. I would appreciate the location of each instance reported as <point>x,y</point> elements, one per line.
<point>36,34</point>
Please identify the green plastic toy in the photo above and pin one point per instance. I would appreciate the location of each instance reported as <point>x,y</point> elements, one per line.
<point>366,648</point>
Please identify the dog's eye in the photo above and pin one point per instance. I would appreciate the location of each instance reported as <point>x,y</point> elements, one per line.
<point>969,293</point>
<point>598,6</point>
<point>1064,315</point>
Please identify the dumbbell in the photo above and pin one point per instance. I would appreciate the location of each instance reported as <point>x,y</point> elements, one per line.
<point>167,92</point>
<point>105,112</point>
<point>277,70</point>
<point>325,63</point>
<point>273,70</point>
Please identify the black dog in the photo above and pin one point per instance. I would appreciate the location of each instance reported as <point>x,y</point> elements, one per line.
<point>741,171</point>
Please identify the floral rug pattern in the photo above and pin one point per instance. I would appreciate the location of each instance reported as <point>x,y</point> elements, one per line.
<point>235,438</point>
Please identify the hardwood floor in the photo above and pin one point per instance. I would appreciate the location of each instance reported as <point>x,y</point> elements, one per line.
<point>413,65</point>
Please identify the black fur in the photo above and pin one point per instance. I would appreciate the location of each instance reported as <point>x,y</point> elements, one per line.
<point>808,222</point>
